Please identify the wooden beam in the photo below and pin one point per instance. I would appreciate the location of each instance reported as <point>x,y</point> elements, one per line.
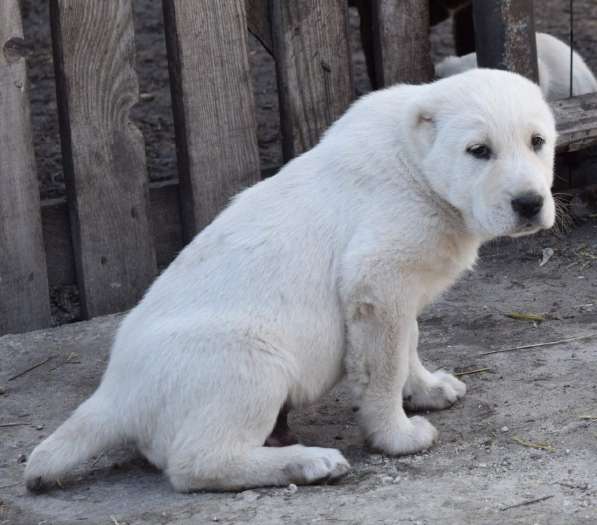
<point>505,36</point>
<point>24,296</point>
<point>576,119</point>
<point>214,107</point>
<point>402,49</point>
<point>313,64</point>
<point>103,152</point>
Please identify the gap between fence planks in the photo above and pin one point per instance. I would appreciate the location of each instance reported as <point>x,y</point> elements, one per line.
<point>24,298</point>
<point>314,70</point>
<point>259,23</point>
<point>103,153</point>
<point>214,106</point>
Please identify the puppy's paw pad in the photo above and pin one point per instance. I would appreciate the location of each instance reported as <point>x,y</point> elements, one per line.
<point>417,435</point>
<point>318,464</point>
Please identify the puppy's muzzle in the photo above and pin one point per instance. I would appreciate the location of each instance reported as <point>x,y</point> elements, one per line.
<point>527,205</point>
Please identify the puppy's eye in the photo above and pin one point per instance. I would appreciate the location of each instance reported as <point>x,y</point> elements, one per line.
<point>537,142</point>
<point>479,151</point>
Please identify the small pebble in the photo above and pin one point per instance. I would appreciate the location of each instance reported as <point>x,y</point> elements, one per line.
<point>39,427</point>
<point>22,458</point>
<point>505,429</point>
<point>291,489</point>
<point>2,390</point>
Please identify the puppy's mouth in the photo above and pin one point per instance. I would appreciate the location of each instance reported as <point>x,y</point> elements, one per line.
<point>528,228</point>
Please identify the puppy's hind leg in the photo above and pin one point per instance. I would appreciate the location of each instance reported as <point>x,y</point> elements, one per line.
<point>220,446</point>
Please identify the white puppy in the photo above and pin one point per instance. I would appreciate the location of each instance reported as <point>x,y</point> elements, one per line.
<point>553,61</point>
<point>316,274</point>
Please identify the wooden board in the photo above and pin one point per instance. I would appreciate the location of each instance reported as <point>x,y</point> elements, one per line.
<point>103,153</point>
<point>313,64</point>
<point>24,297</point>
<point>402,50</point>
<point>166,232</point>
<point>576,120</point>
<point>505,36</point>
<point>214,107</point>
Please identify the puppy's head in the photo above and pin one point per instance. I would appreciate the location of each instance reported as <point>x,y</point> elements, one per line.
<point>485,141</point>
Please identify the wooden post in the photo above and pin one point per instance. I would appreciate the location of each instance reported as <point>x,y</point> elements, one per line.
<point>214,107</point>
<point>24,297</point>
<point>103,152</point>
<point>313,64</point>
<point>505,36</point>
<point>402,50</point>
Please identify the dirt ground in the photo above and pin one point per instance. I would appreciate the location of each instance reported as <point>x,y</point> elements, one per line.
<point>526,430</point>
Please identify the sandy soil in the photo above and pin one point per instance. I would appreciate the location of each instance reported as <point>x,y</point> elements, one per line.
<point>484,462</point>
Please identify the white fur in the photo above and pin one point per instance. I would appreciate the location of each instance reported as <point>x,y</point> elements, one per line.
<point>553,61</point>
<point>316,274</point>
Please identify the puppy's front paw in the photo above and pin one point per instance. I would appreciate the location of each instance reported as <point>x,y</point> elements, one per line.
<point>415,435</point>
<point>440,391</point>
<point>317,464</point>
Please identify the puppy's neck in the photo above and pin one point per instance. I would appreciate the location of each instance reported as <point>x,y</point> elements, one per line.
<point>417,182</point>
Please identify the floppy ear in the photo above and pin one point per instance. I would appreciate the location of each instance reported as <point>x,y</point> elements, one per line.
<point>423,128</point>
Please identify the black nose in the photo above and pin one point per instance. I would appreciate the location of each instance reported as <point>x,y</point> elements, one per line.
<point>527,205</point>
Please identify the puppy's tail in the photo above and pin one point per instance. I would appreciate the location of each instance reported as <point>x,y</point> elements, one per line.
<point>89,430</point>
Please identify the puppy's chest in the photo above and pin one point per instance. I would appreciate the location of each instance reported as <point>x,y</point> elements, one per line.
<point>440,268</point>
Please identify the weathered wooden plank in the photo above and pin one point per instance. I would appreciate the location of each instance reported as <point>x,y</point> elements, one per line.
<point>505,36</point>
<point>313,65</point>
<point>103,153</point>
<point>24,297</point>
<point>576,119</point>
<point>166,232</point>
<point>402,50</point>
<point>214,107</point>
<point>258,22</point>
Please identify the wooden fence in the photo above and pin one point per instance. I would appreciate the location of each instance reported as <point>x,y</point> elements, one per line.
<point>114,229</point>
